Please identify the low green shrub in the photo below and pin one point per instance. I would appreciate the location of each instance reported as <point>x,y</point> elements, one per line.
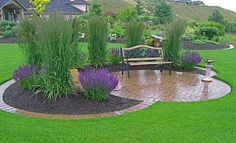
<point>209,32</point>
<point>221,28</point>
<point>118,30</point>
<point>8,33</point>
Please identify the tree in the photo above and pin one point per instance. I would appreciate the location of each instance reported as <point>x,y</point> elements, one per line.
<point>139,7</point>
<point>217,17</point>
<point>128,14</point>
<point>95,8</point>
<point>164,12</point>
<point>39,6</point>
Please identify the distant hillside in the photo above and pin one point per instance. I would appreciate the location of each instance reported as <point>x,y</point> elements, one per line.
<point>191,12</point>
<point>200,13</point>
<point>115,5</point>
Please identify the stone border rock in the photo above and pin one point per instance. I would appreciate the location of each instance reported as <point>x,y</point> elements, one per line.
<point>142,105</point>
<point>230,47</point>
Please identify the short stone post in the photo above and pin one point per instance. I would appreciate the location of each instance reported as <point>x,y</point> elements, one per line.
<point>209,66</point>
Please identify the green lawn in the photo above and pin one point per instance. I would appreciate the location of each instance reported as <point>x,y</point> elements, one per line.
<point>10,59</point>
<point>201,122</point>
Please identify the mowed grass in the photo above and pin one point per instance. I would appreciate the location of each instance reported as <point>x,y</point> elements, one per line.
<point>211,121</point>
<point>10,58</point>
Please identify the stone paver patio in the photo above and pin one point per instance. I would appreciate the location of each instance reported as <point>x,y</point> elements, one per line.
<point>152,86</point>
<point>149,86</point>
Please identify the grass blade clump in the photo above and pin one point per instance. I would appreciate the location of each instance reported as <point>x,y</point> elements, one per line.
<point>134,35</point>
<point>58,37</point>
<point>172,44</point>
<point>28,42</point>
<point>97,40</point>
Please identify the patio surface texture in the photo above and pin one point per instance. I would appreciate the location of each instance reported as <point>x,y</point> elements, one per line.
<point>150,86</point>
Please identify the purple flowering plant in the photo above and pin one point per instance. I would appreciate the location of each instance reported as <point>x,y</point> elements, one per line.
<point>115,55</point>
<point>190,59</point>
<point>25,75</point>
<point>152,53</point>
<point>98,83</point>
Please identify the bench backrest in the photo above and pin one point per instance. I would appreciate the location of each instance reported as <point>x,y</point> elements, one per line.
<point>158,56</point>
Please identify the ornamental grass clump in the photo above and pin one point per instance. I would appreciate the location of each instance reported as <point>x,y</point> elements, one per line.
<point>134,33</point>
<point>172,44</point>
<point>98,83</point>
<point>28,42</point>
<point>26,76</point>
<point>97,40</point>
<point>134,36</point>
<point>58,37</point>
<point>190,59</point>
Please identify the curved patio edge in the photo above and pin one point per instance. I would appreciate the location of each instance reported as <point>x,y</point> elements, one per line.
<point>5,107</point>
<point>146,103</point>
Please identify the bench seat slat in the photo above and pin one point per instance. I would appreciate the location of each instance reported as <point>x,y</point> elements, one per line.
<point>145,59</point>
<point>148,63</point>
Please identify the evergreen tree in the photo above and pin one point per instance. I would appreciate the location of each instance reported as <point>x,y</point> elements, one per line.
<point>95,8</point>
<point>217,17</point>
<point>164,12</point>
<point>139,7</point>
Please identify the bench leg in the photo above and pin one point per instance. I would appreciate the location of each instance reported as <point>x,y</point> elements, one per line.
<point>128,68</point>
<point>161,70</point>
<point>169,66</point>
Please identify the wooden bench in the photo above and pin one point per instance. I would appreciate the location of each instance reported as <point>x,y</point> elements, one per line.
<point>157,59</point>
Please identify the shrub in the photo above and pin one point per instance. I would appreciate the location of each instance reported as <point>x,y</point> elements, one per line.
<point>115,55</point>
<point>117,29</point>
<point>144,18</point>
<point>155,20</point>
<point>98,83</point>
<point>209,32</point>
<point>8,33</point>
<point>8,27</point>
<point>218,26</point>
<point>128,14</point>
<point>25,75</point>
<point>189,33</point>
<point>97,40</point>
<point>57,36</point>
<point>172,44</point>
<point>190,59</point>
<point>28,42</point>
<point>6,23</point>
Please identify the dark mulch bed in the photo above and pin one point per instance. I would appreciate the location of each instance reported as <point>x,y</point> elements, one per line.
<point>19,98</point>
<point>189,45</point>
<point>8,40</point>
